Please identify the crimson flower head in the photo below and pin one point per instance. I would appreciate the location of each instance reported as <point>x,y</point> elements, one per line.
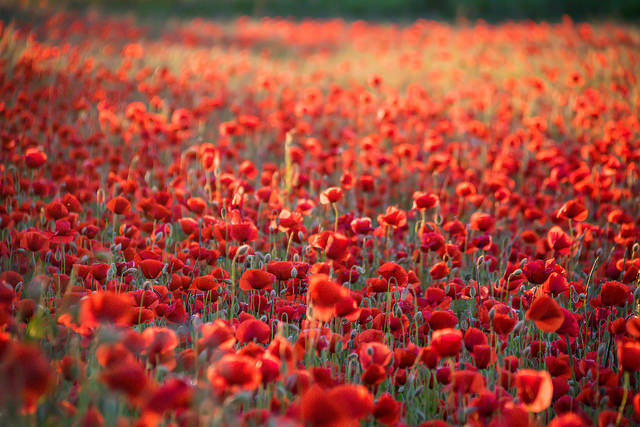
<point>119,205</point>
<point>331,195</point>
<point>447,342</point>
<point>614,293</point>
<point>34,158</point>
<point>109,307</point>
<point>425,200</point>
<point>546,313</point>
<point>535,389</point>
<point>325,294</point>
<point>558,240</point>
<point>255,280</point>
<point>573,210</point>
<point>393,217</point>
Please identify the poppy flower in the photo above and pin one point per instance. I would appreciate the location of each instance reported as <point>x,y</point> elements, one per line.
<point>129,378</point>
<point>393,217</point>
<point>34,158</point>
<point>236,372</point>
<point>535,389</point>
<point>106,307</point>
<point>558,240</point>
<point>546,313</point>
<point>324,295</point>
<point>175,394</point>
<point>361,225</point>
<point>255,279</point>
<point>34,241</point>
<point>216,335</point>
<point>119,205</point>
<point>574,211</point>
<point>316,409</point>
<point>253,329</point>
<point>629,355</point>
<point>331,195</point>
<point>243,232</point>
<point>26,374</point>
<point>536,271</point>
<point>280,269</point>
<point>374,353</point>
<point>356,400</point>
<point>425,200</point>
<point>440,270</point>
<point>205,283</point>
<point>393,273</point>
<point>160,344</point>
<point>387,410</point>
<point>481,221</point>
<point>447,342</point>
<point>614,293</point>
<point>151,268</point>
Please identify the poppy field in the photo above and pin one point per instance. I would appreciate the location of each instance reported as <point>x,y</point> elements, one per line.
<point>271,222</point>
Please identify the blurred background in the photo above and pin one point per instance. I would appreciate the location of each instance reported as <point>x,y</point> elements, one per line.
<point>389,10</point>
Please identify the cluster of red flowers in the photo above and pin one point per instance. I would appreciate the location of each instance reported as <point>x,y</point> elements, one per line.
<point>319,222</point>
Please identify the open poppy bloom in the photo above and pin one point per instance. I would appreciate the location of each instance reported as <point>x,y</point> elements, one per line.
<point>331,195</point>
<point>106,307</point>
<point>535,389</point>
<point>256,280</point>
<point>235,372</point>
<point>447,342</point>
<point>119,205</point>
<point>629,355</point>
<point>324,295</point>
<point>546,313</point>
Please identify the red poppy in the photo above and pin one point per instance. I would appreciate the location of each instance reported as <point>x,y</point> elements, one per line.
<point>128,377</point>
<point>175,394</point>
<point>119,205</point>
<point>447,342</point>
<point>482,221</point>
<point>216,335</point>
<point>425,200</point>
<point>355,400</point>
<point>535,389</point>
<point>25,374</point>
<point>574,211</point>
<point>34,158</point>
<point>255,279</point>
<point>614,293</point>
<point>324,294</point>
<point>316,409</point>
<point>439,270</point>
<point>558,240</point>
<point>151,268</point>
<point>243,232</point>
<point>538,271</point>
<point>253,329</point>
<point>546,313</point>
<point>393,273</point>
<point>387,410</point>
<point>374,353</point>
<point>629,355</point>
<point>331,195</point>
<point>205,283</point>
<point>235,372</point>
<point>106,307</point>
<point>393,217</point>
<point>281,269</point>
